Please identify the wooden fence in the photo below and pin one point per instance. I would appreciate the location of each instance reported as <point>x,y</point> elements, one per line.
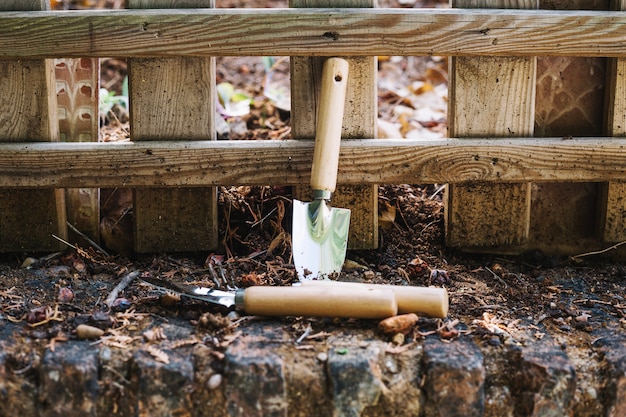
<point>496,168</point>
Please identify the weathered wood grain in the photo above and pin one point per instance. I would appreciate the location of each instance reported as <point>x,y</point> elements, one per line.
<point>359,121</point>
<point>366,161</point>
<point>490,96</point>
<point>312,32</point>
<point>612,208</point>
<point>77,89</point>
<point>173,98</point>
<point>28,100</point>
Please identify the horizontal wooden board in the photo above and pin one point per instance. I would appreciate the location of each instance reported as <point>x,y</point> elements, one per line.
<point>362,161</point>
<point>312,32</point>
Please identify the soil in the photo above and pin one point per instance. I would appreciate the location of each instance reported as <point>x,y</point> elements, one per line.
<point>496,302</point>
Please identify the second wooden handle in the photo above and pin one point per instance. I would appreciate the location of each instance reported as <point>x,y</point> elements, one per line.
<point>320,301</point>
<point>329,124</point>
<point>428,301</point>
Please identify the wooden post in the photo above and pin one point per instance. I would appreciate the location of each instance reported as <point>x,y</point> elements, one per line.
<point>570,101</point>
<point>77,89</point>
<point>173,99</point>
<point>490,96</point>
<point>359,122</point>
<point>29,217</point>
<point>613,194</point>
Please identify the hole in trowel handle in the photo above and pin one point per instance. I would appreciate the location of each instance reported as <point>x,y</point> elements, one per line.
<point>338,78</point>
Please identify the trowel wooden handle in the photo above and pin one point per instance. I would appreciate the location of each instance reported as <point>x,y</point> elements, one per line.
<point>319,301</point>
<point>329,122</point>
<point>428,301</point>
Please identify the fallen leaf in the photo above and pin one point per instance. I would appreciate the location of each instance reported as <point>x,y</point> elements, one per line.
<point>158,354</point>
<point>387,216</point>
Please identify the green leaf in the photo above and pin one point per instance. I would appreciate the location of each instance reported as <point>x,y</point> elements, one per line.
<point>225,91</point>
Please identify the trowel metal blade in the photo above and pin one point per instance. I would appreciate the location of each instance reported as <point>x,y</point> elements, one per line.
<point>319,238</point>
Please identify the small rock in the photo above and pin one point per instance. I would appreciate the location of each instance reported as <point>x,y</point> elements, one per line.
<point>565,328</point>
<point>494,341</point>
<point>28,262</point>
<point>592,393</point>
<point>214,381</point>
<point>402,323</point>
<point>369,275</point>
<point>233,315</point>
<point>66,295</point>
<point>322,356</point>
<point>398,339</point>
<point>120,304</point>
<point>84,331</point>
<point>583,318</point>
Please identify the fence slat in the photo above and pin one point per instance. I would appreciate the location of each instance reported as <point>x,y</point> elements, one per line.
<point>77,89</point>
<point>359,122</point>
<point>366,161</point>
<point>612,207</point>
<point>173,98</point>
<point>318,32</point>
<point>28,100</point>
<point>491,96</point>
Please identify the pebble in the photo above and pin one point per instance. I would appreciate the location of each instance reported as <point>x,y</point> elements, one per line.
<point>215,381</point>
<point>592,393</point>
<point>84,331</point>
<point>494,341</point>
<point>322,356</point>
<point>369,275</point>
<point>28,262</point>
<point>105,354</point>
<point>583,318</point>
<point>66,295</point>
<point>398,339</point>
<point>402,323</point>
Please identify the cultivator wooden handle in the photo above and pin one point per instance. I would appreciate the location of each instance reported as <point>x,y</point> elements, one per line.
<point>318,301</point>
<point>427,301</point>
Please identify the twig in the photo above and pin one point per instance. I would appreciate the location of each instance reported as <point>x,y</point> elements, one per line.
<point>64,241</point>
<point>91,242</point>
<point>263,219</point>
<point>119,287</point>
<point>437,191</point>
<point>598,252</point>
<point>428,225</point>
<point>496,276</point>
<point>306,333</point>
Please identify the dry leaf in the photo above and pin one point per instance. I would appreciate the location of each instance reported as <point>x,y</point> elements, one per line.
<point>154,335</point>
<point>158,354</point>
<point>388,130</point>
<point>277,242</point>
<point>387,216</point>
<point>184,342</point>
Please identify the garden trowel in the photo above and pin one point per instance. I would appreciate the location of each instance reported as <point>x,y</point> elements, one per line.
<point>320,232</point>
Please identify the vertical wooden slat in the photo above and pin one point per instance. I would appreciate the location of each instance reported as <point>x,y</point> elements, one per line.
<point>77,89</point>
<point>27,96</point>
<point>569,102</point>
<point>170,99</point>
<point>490,96</point>
<point>359,122</point>
<point>613,194</point>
